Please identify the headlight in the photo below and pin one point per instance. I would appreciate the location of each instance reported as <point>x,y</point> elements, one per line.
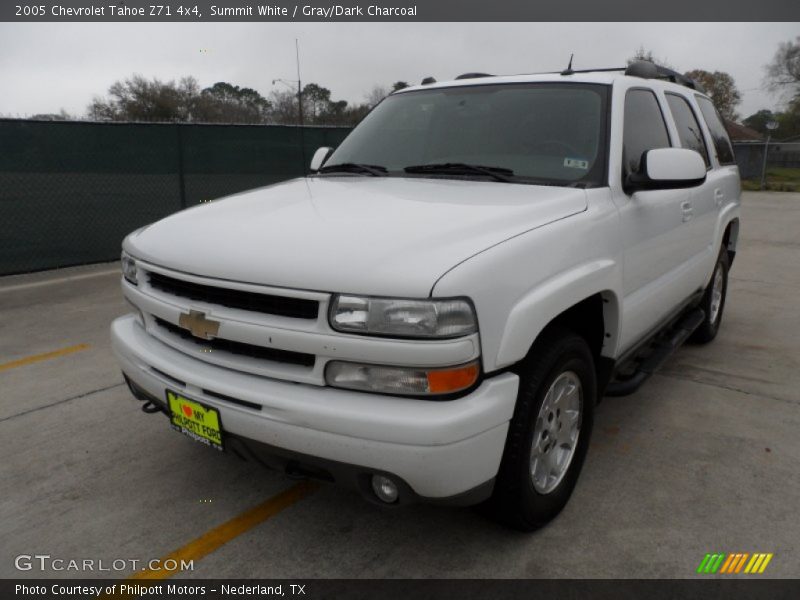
<point>129,268</point>
<point>403,318</point>
<point>401,380</point>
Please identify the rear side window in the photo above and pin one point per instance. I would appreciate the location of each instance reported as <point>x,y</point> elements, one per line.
<point>644,128</point>
<point>689,131</point>
<point>722,143</point>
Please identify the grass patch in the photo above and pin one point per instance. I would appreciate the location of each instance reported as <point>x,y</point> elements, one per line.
<point>779,179</point>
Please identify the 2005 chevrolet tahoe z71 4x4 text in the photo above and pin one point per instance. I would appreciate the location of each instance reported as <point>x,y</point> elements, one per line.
<point>434,314</point>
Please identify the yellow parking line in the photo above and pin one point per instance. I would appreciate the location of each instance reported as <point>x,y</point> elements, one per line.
<point>221,535</point>
<point>29,360</point>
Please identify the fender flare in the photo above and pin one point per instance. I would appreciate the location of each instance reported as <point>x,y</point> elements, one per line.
<point>552,297</point>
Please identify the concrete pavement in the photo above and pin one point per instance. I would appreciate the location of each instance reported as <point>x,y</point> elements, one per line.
<point>703,458</point>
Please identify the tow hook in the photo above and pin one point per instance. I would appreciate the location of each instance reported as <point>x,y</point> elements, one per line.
<point>150,405</point>
<point>150,408</point>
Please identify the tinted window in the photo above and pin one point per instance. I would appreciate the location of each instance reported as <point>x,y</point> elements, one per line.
<point>689,131</point>
<point>722,143</point>
<point>553,132</point>
<point>644,128</point>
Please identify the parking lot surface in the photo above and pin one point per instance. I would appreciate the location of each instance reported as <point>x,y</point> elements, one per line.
<point>703,458</point>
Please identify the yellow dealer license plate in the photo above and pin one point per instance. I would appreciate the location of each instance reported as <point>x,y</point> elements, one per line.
<point>199,422</point>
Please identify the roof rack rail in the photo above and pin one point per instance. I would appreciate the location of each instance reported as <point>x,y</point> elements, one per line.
<point>603,70</point>
<point>649,70</point>
<point>473,75</point>
<point>428,81</point>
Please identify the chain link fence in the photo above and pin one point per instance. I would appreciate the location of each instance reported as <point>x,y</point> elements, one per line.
<point>780,172</point>
<point>70,191</point>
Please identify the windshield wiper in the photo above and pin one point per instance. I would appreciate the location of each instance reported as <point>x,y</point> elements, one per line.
<point>496,173</point>
<point>374,170</point>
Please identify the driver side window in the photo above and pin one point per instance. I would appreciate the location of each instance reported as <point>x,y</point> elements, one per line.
<point>644,128</point>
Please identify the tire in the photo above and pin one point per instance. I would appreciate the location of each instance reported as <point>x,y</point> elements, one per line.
<point>520,499</point>
<point>713,306</point>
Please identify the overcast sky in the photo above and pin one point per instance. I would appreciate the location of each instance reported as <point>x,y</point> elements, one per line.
<point>45,67</point>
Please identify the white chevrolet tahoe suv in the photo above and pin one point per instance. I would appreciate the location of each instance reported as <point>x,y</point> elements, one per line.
<point>434,313</point>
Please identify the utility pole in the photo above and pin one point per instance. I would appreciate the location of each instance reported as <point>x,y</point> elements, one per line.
<point>300,123</point>
<point>300,107</point>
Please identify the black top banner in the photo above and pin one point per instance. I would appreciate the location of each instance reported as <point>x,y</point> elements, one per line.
<point>398,10</point>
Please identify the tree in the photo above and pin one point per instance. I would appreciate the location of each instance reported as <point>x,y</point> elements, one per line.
<point>722,90</point>
<point>758,121</point>
<point>284,107</point>
<point>316,102</point>
<point>375,95</point>
<point>224,102</point>
<point>789,121</point>
<point>140,99</point>
<point>647,55</point>
<point>354,113</point>
<point>62,115</point>
<point>399,85</point>
<point>783,73</point>
<point>318,107</point>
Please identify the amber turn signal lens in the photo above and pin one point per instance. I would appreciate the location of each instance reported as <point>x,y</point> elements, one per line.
<point>452,380</point>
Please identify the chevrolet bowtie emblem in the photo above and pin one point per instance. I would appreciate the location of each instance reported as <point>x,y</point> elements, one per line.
<point>198,325</point>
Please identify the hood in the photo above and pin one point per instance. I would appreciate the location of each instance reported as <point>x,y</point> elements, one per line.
<point>368,235</point>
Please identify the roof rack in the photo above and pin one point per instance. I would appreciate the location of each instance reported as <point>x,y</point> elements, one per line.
<point>604,70</point>
<point>473,75</point>
<point>648,70</point>
<point>640,68</point>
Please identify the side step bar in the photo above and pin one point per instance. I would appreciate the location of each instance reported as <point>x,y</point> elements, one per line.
<point>662,349</point>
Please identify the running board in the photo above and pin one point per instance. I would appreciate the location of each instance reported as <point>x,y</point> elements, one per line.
<point>662,349</point>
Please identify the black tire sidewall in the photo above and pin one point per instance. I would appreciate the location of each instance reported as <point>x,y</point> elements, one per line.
<point>722,263</point>
<point>518,503</point>
<point>554,501</point>
<point>708,329</point>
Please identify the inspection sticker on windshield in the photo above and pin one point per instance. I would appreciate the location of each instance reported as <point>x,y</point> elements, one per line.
<point>576,163</point>
<point>201,423</point>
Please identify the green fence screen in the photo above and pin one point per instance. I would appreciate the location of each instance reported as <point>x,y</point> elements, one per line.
<point>70,191</point>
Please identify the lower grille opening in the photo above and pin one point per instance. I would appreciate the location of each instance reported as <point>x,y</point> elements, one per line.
<point>174,380</point>
<point>244,403</point>
<point>240,348</point>
<point>303,471</point>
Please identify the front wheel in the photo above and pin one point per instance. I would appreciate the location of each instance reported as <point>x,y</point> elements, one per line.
<point>549,433</point>
<point>713,301</point>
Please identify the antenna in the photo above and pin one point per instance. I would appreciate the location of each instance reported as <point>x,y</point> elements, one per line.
<point>300,107</point>
<point>568,70</point>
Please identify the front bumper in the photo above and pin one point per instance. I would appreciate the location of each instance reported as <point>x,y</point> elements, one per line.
<point>438,450</point>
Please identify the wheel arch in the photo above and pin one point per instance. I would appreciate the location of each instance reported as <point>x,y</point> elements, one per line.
<point>730,239</point>
<point>594,316</point>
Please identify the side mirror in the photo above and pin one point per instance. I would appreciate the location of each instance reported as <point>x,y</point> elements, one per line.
<point>319,158</point>
<point>667,168</point>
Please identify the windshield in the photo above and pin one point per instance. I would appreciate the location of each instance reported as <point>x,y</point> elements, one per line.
<point>540,133</point>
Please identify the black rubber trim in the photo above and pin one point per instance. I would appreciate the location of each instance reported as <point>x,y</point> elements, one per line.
<point>224,398</point>
<point>351,476</point>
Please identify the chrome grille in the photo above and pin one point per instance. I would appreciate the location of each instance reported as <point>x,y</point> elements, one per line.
<point>284,306</point>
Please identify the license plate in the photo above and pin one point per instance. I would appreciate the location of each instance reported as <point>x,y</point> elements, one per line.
<point>199,422</point>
